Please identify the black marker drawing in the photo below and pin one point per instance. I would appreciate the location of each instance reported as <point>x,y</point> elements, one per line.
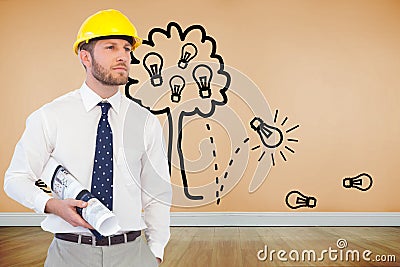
<point>42,185</point>
<point>153,63</point>
<point>295,200</point>
<point>214,152</point>
<point>262,155</point>
<point>361,182</point>
<point>188,52</point>
<point>231,161</point>
<point>273,137</point>
<point>265,131</point>
<point>176,83</point>
<point>202,75</point>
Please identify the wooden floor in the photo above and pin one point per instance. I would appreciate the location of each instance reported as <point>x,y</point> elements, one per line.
<point>233,246</point>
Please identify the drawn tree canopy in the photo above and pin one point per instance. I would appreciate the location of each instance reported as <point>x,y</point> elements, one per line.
<point>178,73</point>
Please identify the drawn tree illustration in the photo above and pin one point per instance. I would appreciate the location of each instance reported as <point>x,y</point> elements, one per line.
<point>178,73</point>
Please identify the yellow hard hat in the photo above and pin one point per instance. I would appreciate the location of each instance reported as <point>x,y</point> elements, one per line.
<point>108,22</point>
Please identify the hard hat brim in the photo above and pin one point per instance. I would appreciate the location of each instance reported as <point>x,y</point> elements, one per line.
<point>136,41</point>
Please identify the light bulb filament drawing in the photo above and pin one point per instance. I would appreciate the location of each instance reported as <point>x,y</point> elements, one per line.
<point>189,51</point>
<point>153,64</point>
<point>271,137</point>
<point>265,131</point>
<point>295,199</point>
<point>361,182</point>
<point>203,79</point>
<point>176,83</point>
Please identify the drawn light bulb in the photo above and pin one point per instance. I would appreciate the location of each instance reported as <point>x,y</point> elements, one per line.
<point>265,131</point>
<point>203,74</point>
<point>176,83</point>
<point>153,63</point>
<point>362,182</point>
<point>295,200</point>
<point>188,52</point>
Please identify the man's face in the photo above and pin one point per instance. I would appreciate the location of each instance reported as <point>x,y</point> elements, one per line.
<point>111,61</point>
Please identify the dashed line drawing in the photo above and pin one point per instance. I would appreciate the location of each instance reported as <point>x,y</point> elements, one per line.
<point>214,152</point>
<point>218,182</point>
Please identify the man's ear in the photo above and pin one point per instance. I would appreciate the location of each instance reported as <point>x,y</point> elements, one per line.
<point>85,58</point>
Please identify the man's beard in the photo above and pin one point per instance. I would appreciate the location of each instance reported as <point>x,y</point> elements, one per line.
<point>105,77</point>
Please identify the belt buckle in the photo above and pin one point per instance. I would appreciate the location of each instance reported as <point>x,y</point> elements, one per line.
<point>79,239</point>
<point>109,240</point>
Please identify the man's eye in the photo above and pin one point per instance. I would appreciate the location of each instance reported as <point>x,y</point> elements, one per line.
<point>127,49</point>
<point>110,47</point>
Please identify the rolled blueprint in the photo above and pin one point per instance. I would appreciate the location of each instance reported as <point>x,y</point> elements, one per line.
<point>64,186</point>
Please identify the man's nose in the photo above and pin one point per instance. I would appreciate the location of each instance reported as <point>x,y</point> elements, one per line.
<point>123,56</point>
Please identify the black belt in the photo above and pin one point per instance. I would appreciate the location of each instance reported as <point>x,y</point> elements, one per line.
<point>106,241</point>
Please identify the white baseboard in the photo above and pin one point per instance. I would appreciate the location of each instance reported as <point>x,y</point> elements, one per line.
<point>245,219</point>
<point>21,219</point>
<point>285,219</point>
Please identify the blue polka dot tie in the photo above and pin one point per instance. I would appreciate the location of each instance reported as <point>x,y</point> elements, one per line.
<point>102,177</point>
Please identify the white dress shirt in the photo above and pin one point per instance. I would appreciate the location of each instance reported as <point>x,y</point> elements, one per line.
<point>64,132</point>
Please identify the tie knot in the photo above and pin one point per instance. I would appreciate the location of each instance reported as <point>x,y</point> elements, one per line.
<point>105,106</point>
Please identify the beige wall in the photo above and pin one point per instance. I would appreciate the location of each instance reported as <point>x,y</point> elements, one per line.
<point>331,66</point>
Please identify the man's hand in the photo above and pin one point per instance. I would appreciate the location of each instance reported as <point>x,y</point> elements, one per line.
<point>66,209</point>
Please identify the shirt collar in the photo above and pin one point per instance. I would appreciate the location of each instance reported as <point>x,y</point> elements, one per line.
<point>91,99</point>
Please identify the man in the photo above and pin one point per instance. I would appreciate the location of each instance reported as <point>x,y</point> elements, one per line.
<point>85,131</point>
